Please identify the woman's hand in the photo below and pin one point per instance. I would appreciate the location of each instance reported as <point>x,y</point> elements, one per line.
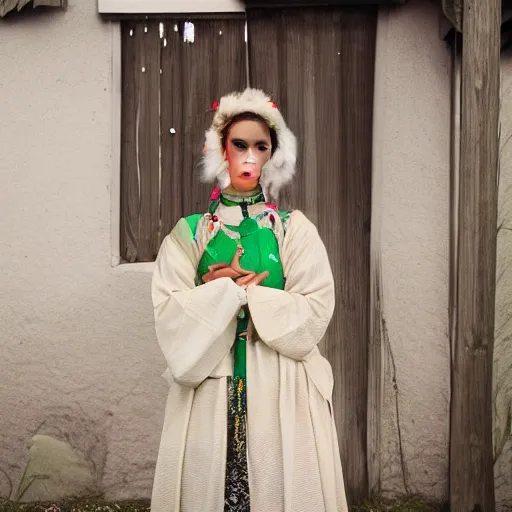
<point>246,277</point>
<point>219,270</point>
<point>252,279</point>
<point>242,277</point>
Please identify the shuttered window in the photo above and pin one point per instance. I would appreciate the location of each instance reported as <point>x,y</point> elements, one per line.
<point>172,71</point>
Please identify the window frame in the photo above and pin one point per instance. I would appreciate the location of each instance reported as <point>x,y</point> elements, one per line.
<point>170,6</point>
<point>118,8</point>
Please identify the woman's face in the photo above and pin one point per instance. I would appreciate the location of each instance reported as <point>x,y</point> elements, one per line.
<point>248,149</point>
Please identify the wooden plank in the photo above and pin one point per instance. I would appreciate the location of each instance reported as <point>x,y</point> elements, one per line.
<point>174,16</point>
<point>148,140</point>
<point>213,65</point>
<point>168,88</point>
<point>172,134</point>
<point>131,35</point>
<point>357,29</point>
<point>471,456</point>
<point>320,65</point>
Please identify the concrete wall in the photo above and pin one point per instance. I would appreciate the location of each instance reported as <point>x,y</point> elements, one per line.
<point>411,235</point>
<point>79,357</point>
<point>503,332</point>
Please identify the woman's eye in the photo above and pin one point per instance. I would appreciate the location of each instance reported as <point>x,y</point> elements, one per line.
<point>262,148</point>
<point>239,144</point>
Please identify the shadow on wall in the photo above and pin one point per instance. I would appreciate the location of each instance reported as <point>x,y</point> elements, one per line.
<point>66,458</point>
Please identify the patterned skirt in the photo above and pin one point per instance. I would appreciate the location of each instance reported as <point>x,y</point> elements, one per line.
<point>236,496</point>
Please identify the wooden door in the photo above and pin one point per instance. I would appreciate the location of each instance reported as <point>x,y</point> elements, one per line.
<point>319,64</point>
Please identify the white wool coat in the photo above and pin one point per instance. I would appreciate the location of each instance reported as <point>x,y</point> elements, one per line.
<point>293,455</point>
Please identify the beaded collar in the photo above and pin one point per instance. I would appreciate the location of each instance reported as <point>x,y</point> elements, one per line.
<point>243,201</point>
<point>229,200</point>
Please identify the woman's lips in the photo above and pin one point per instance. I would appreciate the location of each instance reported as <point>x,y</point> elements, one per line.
<point>249,171</point>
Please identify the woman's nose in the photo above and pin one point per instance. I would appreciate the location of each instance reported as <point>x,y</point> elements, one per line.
<point>250,158</point>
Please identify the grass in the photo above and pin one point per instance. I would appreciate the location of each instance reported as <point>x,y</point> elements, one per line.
<point>376,504</point>
<point>409,503</point>
<point>76,505</point>
<point>403,504</point>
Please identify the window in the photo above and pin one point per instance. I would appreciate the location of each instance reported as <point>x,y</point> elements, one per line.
<point>172,71</point>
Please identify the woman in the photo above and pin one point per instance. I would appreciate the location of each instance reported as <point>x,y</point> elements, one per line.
<point>242,296</point>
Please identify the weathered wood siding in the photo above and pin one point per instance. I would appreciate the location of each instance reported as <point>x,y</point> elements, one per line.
<point>168,89</point>
<point>471,448</point>
<point>319,64</point>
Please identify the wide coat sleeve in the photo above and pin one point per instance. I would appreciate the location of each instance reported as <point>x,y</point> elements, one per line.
<point>195,325</point>
<point>294,320</point>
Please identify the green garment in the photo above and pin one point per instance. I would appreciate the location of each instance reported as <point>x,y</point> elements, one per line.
<point>260,253</point>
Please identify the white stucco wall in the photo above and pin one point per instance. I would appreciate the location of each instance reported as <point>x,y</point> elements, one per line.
<point>78,349</point>
<point>503,331</point>
<point>411,231</point>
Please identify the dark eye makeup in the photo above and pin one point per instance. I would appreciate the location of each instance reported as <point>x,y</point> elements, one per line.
<point>239,144</point>
<point>242,145</point>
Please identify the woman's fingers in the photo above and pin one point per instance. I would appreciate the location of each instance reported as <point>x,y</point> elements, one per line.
<point>234,271</point>
<point>219,270</point>
<point>217,266</point>
<point>226,272</point>
<point>245,280</point>
<point>252,279</point>
<point>235,262</point>
<point>258,279</point>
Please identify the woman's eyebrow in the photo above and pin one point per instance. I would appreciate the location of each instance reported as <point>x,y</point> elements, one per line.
<point>259,142</point>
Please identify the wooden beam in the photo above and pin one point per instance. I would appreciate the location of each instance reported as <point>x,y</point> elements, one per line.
<point>471,458</point>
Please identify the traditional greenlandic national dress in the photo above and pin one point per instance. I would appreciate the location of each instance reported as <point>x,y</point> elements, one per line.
<point>260,253</point>
<point>248,422</point>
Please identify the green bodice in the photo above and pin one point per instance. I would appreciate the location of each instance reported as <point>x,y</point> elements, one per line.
<point>259,243</point>
<point>256,236</point>
<point>261,251</point>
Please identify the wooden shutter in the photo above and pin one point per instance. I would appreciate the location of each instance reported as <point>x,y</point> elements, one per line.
<point>168,89</point>
<point>319,64</point>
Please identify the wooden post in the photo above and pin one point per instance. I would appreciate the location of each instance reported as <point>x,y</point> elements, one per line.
<point>471,458</point>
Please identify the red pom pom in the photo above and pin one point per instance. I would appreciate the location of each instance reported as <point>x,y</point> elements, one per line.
<point>215,105</point>
<point>274,105</point>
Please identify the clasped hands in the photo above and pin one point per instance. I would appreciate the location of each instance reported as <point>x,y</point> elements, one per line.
<point>242,277</point>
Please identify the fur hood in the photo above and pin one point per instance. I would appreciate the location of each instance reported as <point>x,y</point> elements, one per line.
<point>279,170</point>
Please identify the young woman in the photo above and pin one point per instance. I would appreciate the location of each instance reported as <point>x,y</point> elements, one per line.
<point>242,296</point>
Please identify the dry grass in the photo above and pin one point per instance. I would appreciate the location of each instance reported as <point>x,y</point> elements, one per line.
<point>399,504</point>
<point>78,505</point>
<point>377,504</point>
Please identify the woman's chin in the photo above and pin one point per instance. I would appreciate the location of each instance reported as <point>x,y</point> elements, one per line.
<point>245,185</point>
